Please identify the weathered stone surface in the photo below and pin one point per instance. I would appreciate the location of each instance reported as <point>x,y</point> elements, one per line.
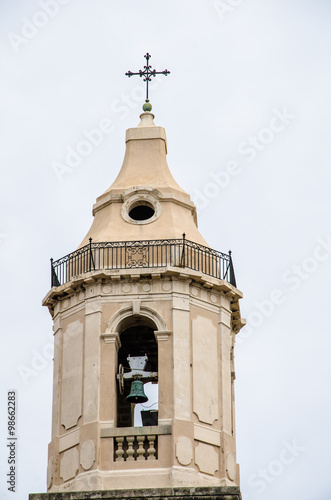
<point>72,374</point>
<point>206,458</point>
<point>87,454</point>
<point>184,450</point>
<point>205,370</point>
<point>210,493</point>
<point>69,464</point>
<point>50,472</point>
<point>231,466</point>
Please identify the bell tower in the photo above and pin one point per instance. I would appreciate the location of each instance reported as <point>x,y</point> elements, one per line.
<point>143,300</point>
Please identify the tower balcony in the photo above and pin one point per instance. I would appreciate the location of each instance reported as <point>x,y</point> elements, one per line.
<point>147,254</point>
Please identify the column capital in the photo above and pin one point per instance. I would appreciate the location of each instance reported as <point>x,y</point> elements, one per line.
<point>162,335</point>
<point>112,338</point>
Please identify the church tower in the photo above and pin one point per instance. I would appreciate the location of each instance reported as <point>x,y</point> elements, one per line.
<point>143,302</point>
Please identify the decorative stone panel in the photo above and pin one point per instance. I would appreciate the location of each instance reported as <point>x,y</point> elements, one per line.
<point>231,466</point>
<point>207,435</point>
<point>69,464</point>
<point>205,370</point>
<point>69,440</point>
<point>184,450</point>
<point>72,374</point>
<point>87,454</point>
<point>206,458</point>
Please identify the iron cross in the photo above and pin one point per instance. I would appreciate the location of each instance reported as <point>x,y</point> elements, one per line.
<point>147,73</point>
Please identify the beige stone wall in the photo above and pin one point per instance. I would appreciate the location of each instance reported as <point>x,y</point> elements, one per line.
<point>174,220</point>
<point>195,341</point>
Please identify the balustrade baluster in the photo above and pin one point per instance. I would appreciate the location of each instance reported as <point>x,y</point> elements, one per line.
<point>141,449</point>
<point>119,452</point>
<point>130,450</point>
<point>151,450</point>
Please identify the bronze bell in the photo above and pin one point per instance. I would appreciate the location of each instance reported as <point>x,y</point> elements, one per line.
<point>137,394</point>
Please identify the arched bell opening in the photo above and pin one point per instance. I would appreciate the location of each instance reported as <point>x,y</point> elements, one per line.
<point>137,367</point>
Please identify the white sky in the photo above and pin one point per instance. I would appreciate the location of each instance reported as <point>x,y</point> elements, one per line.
<point>232,74</point>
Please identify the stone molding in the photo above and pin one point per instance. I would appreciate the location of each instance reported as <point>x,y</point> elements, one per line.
<point>207,435</point>
<point>69,288</point>
<point>69,440</point>
<point>186,493</point>
<point>157,430</point>
<point>127,311</point>
<point>143,194</point>
<point>112,338</point>
<point>162,335</point>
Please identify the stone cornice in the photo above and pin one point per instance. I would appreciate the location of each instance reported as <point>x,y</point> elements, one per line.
<point>184,493</point>
<point>117,197</point>
<point>93,277</point>
<point>157,430</point>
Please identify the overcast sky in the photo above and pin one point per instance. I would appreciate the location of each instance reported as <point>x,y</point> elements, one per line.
<point>247,114</point>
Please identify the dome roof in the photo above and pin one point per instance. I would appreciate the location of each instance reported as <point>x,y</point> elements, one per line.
<point>144,202</point>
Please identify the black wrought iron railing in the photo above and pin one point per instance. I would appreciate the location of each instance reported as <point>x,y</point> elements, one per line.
<point>142,254</point>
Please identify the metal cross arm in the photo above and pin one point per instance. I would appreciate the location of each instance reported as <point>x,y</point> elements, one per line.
<point>147,73</point>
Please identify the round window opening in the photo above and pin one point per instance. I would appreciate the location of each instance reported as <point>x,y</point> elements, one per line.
<point>143,211</point>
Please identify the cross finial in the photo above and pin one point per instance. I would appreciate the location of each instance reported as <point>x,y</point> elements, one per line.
<point>147,73</point>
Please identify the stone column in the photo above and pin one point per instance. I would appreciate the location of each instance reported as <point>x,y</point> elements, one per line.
<point>110,345</point>
<point>226,342</point>
<point>181,351</point>
<point>91,360</point>
<point>164,374</point>
<point>56,377</point>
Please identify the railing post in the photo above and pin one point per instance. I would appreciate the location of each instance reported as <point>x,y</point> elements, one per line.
<point>54,278</point>
<point>232,275</point>
<point>183,253</point>
<point>90,260</point>
<point>52,271</point>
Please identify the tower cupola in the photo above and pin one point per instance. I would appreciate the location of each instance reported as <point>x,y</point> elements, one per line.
<point>144,201</point>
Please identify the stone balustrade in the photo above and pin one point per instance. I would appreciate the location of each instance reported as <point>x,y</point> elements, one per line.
<point>132,448</point>
<point>135,443</point>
